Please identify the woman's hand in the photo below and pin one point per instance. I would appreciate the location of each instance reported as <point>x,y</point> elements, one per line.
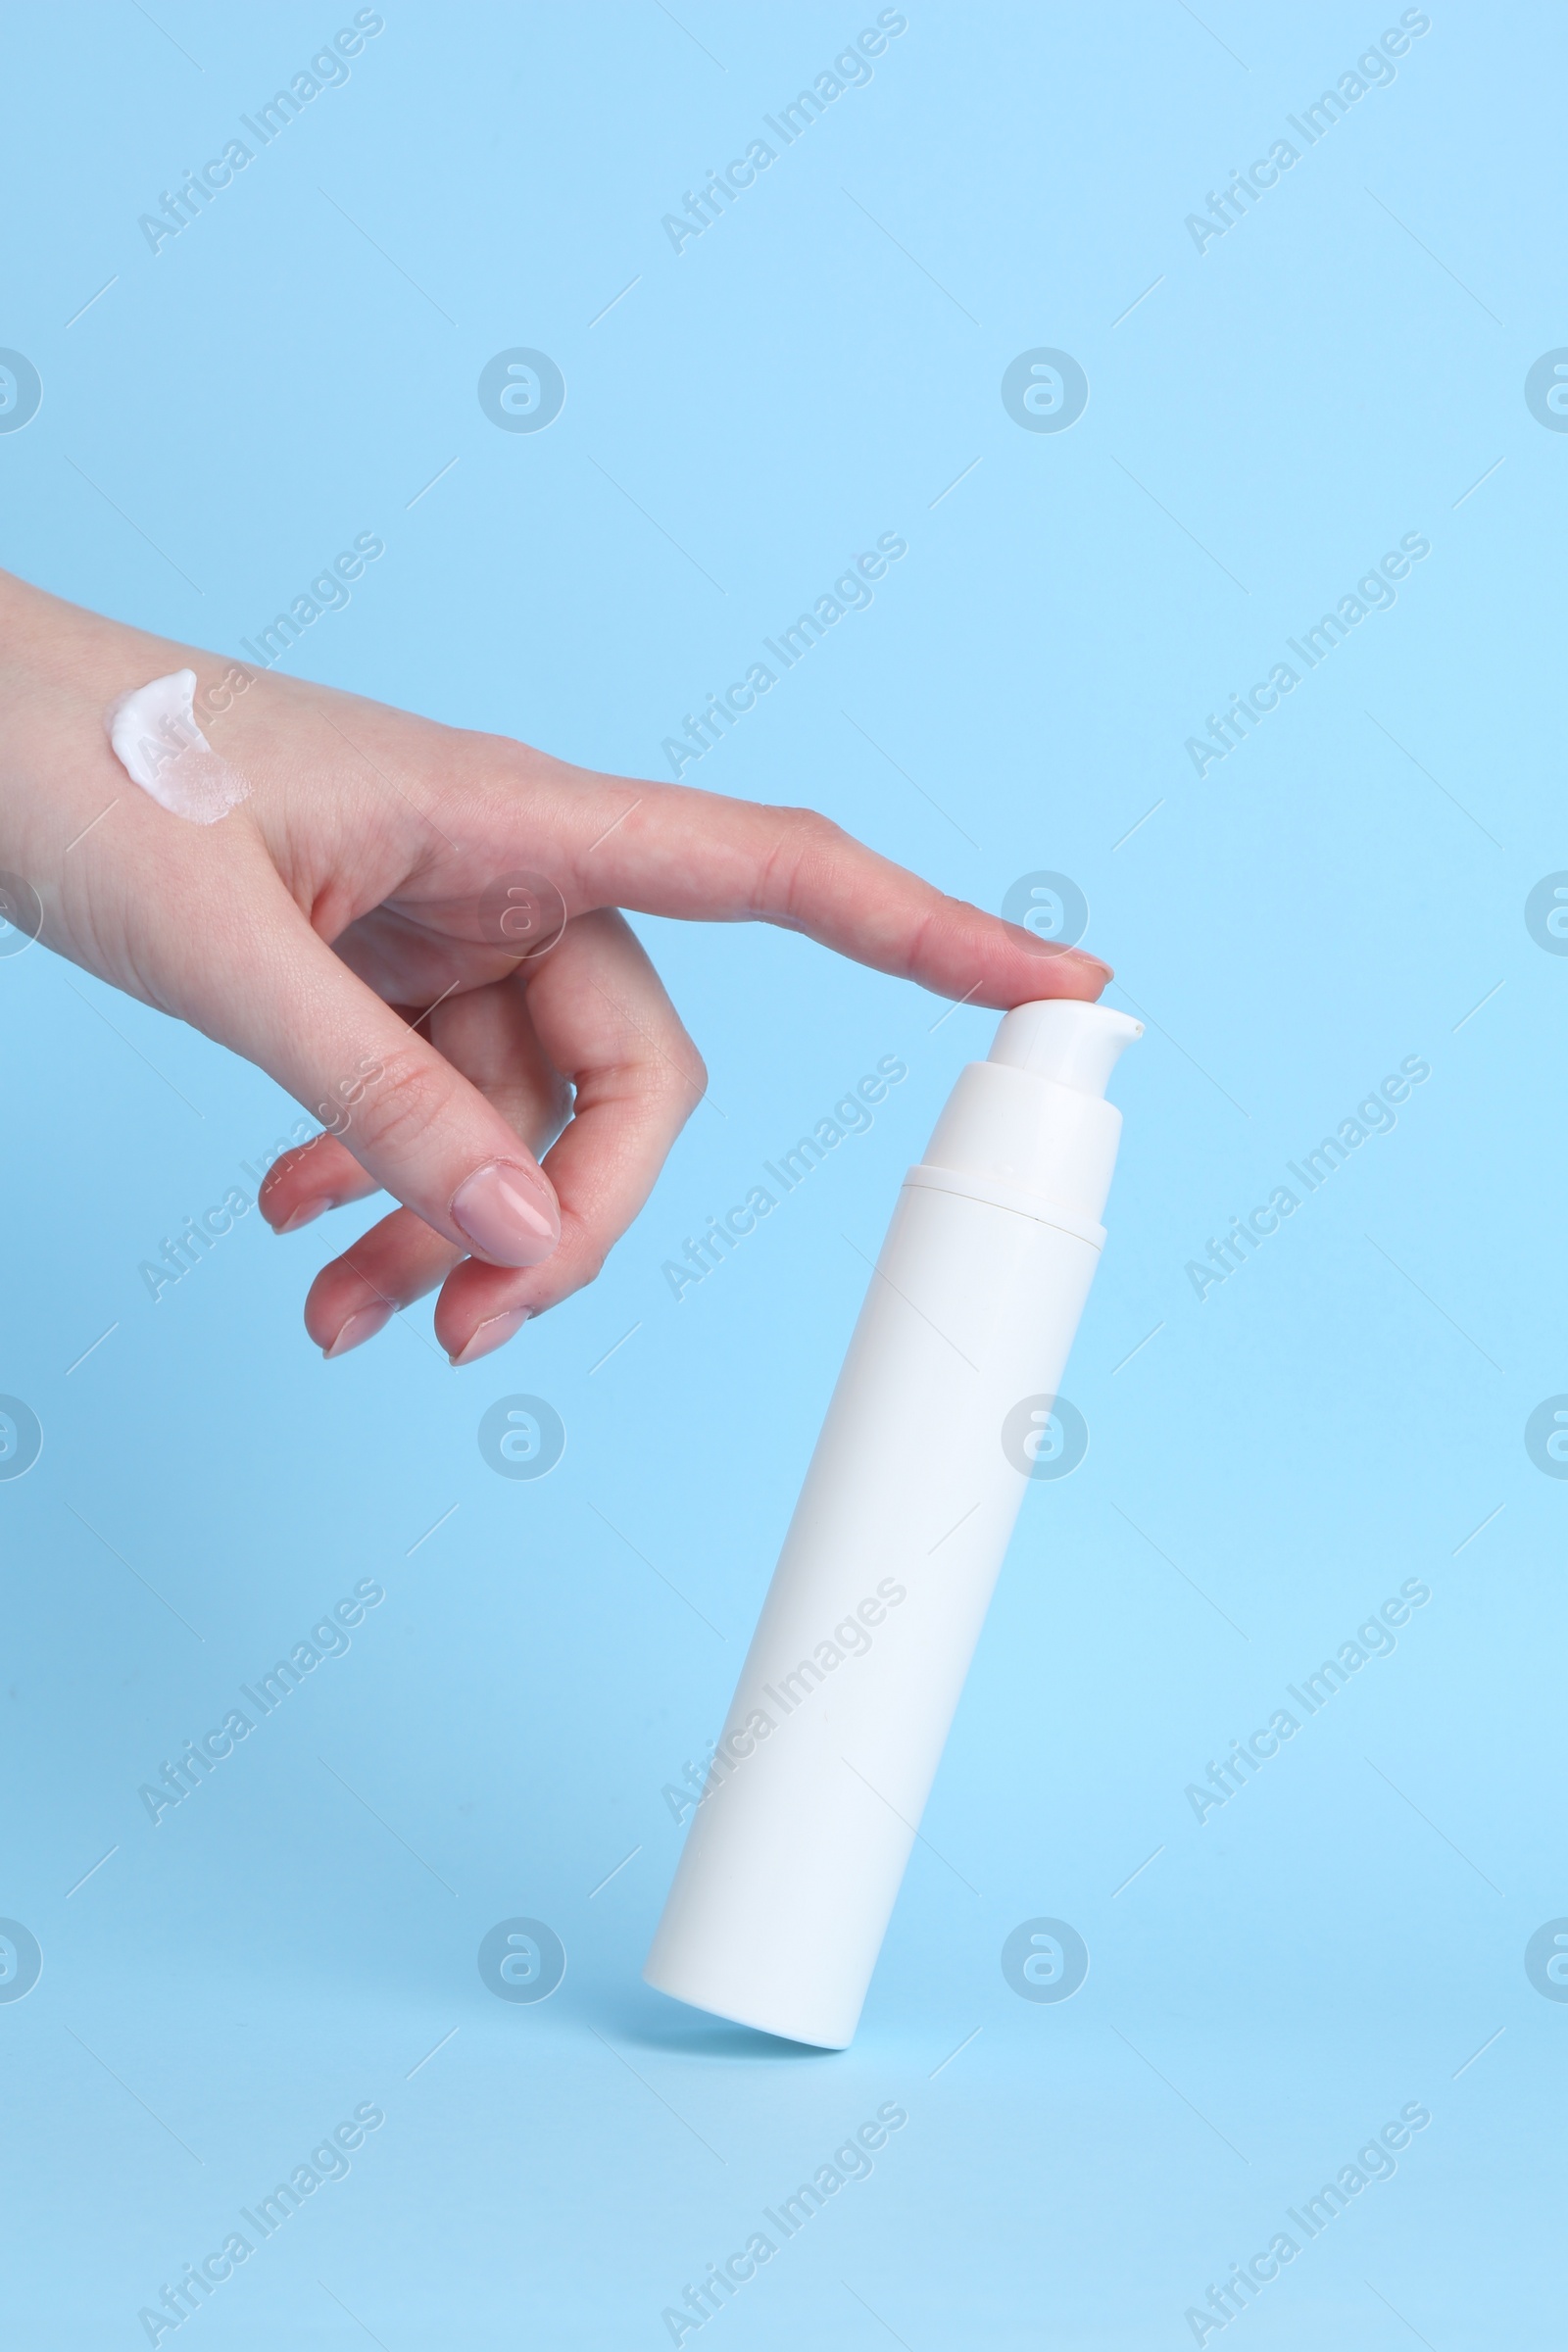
<point>414,930</point>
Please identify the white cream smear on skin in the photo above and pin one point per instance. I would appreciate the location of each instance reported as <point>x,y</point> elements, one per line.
<point>156,740</point>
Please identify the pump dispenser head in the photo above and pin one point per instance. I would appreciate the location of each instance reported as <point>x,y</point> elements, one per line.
<point>1078,1045</point>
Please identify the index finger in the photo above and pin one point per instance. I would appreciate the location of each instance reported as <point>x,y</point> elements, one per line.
<point>669,850</point>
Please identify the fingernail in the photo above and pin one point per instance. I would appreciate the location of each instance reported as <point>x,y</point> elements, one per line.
<point>507,1214</point>
<point>493,1333</point>
<point>307,1215</point>
<point>1053,949</point>
<point>359,1327</point>
<point>1079,958</point>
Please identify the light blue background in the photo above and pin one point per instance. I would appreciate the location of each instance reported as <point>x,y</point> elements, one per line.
<point>1340,369</point>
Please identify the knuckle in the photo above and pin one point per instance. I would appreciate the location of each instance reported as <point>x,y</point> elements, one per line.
<point>681,1065</point>
<point>693,1082</point>
<point>806,839</point>
<point>809,830</point>
<point>578,1259</point>
<point>674,1077</point>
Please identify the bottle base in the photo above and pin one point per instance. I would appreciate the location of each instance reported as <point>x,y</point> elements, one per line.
<point>761,2017</point>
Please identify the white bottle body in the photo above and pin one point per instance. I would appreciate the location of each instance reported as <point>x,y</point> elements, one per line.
<point>794,1857</point>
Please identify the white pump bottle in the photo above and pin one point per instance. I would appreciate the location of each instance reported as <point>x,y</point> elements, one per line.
<point>795,1855</point>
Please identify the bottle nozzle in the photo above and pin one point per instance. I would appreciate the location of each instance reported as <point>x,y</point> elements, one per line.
<point>1078,1045</point>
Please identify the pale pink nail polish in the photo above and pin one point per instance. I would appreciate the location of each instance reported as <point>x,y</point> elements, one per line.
<point>1078,956</point>
<point>359,1327</point>
<point>493,1333</point>
<point>507,1214</point>
<point>305,1215</point>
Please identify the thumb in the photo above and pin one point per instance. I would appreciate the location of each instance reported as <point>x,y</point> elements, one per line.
<point>411,1120</point>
